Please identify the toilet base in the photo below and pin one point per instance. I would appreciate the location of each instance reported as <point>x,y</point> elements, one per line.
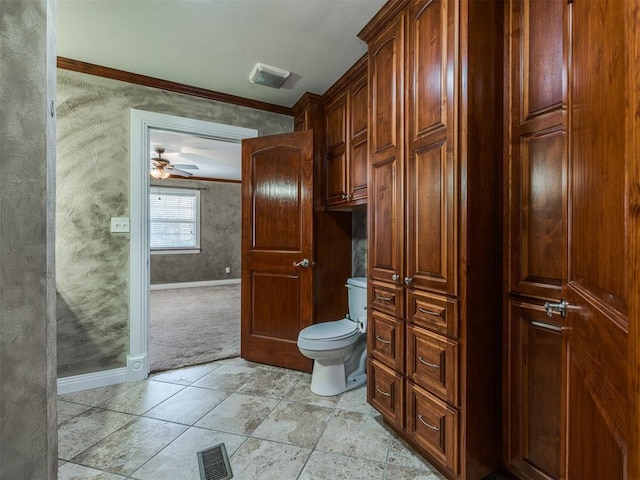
<point>330,376</point>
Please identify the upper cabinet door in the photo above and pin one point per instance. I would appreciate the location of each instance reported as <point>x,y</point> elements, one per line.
<point>431,165</point>
<point>386,215</point>
<point>537,164</point>
<point>358,123</point>
<point>336,138</point>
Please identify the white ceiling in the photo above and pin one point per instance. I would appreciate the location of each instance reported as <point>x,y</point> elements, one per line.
<point>214,44</point>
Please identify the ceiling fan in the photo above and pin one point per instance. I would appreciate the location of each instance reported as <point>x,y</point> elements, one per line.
<point>162,168</point>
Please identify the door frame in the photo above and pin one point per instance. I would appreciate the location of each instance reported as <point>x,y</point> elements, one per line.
<point>139,276</point>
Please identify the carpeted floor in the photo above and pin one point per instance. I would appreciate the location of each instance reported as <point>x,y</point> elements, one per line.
<point>188,326</point>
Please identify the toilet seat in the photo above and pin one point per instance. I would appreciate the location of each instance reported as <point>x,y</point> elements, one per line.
<point>329,335</point>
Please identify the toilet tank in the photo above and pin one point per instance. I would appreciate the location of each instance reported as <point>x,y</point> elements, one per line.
<point>357,287</point>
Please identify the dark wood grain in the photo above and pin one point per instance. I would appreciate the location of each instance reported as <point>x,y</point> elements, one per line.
<point>277,230</point>
<point>435,153</point>
<point>115,74</point>
<point>632,27</point>
<point>386,340</point>
<point>535,394</point>
<point>535,133</point>
<point>597,337</point>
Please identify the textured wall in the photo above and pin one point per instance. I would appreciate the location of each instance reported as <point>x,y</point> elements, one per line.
<point>220,236</point>
<point>28,427</point>
<point>359,241</point>
<point>93,186</point>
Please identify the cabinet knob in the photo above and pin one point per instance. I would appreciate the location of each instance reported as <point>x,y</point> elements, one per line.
<point>395,277</point>
<point>408,280</point>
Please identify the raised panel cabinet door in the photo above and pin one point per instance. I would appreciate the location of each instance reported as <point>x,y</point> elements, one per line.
<point>386,160</point>
<point>431,168</point>
<point>386,82</point>
<point>386,220</point>
<point>535,391</point>
<point>598,414</point>
<point>537,162</point>
<point>277,236</point>
<point>358,131</point>
<point>336,162</point>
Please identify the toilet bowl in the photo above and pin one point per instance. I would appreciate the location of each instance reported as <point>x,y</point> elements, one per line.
<point>339,348</point>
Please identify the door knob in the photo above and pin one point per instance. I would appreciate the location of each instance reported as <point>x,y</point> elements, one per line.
<point>408,280</point>
<point>302,263</point>
<point>561,307</point>
<point>395,277</point>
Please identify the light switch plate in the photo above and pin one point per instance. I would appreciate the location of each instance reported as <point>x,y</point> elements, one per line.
<point>119,225</point>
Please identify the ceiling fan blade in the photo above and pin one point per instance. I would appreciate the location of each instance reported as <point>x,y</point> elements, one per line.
<point>185,166</point>
<point>181,173</point>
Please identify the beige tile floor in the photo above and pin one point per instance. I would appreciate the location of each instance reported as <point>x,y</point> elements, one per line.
<point>273,427</point>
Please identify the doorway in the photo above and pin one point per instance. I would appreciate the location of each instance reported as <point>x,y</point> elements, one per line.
<point>143,126</point>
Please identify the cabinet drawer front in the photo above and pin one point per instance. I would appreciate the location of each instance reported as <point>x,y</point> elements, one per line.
<point>432,363</point>
<point>435,312</point>
<point>386,298</point>
<point>433,425</point>
<point>385,392</point>
<point>385,340</point>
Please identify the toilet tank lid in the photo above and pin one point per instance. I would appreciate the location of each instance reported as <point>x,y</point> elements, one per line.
<point>357,282</point>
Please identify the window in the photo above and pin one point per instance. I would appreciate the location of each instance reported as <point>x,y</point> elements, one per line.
<point>174,220</point>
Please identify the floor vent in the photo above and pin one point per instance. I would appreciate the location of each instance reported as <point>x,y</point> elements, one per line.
<point>214,463</point>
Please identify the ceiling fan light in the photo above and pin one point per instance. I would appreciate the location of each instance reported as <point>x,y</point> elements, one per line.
<point>159,173</point>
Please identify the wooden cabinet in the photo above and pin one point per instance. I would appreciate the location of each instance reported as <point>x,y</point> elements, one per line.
<point>346,117</point>
<point>435,230</point>
<point>567,411</point>
<point>535,201</point>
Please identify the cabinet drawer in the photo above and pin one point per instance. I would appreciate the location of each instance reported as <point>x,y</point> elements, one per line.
<point>385,340</point>
<point>433,425</point>
<point>435,312</point>
<point>432,363</point>
<point>385,392</point>
<point>386,298</point>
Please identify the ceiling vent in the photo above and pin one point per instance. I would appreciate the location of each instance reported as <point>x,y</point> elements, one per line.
<point>268,76</point>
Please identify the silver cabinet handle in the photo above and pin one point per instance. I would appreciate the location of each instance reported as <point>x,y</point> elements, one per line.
<point>428,312</point>
<point>380,339</point>
<point>427,424</point>
<point>383,393</point>
<point>408,280</point>
<point>432,365</point>
<point>395,277</point>
<point>547,326</point>
<point>383,299</point>
<point>561,307</point>
<point>302,263</point>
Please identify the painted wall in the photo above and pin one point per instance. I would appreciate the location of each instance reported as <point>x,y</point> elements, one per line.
<point>93,186</point>
<point>28,427</point>
<point>220,236</point>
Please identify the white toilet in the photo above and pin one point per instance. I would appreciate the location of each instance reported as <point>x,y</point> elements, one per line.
<point>339,349</point>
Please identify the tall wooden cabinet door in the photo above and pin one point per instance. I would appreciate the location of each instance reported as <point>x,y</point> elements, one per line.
<point>336,138</point>
<point>535,390</point>
<point>431,169</point>
<point>277,247</point>
<point>386,215</point>
<point>358,123</point>
<point>597,320</point>
<point>537,167</point>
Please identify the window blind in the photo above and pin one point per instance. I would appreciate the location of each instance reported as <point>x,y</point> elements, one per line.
<point>174,218</point>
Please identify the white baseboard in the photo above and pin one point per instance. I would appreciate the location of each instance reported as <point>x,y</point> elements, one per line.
<point>88,381</point>
<point>205,283</point>
<point>137,367</point>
